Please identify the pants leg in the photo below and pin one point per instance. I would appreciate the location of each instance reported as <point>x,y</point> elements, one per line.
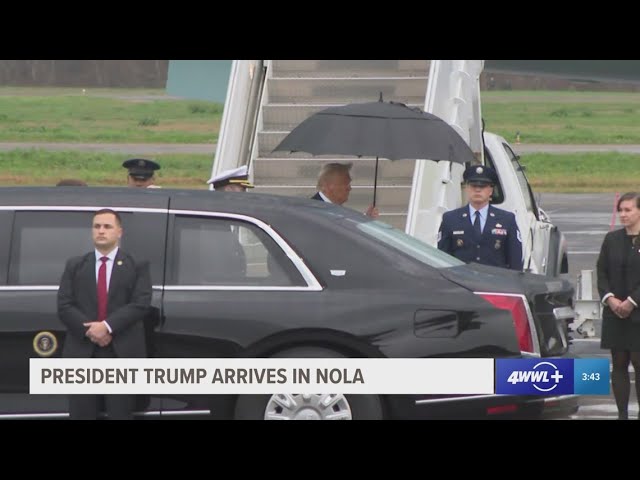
<point>117,407</point>
<point>83,407</point>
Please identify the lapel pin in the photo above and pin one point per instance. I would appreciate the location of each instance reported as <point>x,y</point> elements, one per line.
<point>464,214</point>
<point>498,225</point>
<point>119,262</point>
<point>492,214</point>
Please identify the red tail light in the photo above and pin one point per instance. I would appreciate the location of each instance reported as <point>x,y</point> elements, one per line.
<point>509,408</point>
<point>515,305</point>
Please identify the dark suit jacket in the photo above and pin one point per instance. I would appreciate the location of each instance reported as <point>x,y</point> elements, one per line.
<point>128,303</point>
<point>500,244</point>
<point>618,268</point>
<point>317,197</point>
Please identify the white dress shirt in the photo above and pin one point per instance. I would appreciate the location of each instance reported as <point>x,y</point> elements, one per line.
<point>324,197</point>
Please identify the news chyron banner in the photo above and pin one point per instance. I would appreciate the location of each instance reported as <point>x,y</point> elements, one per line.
<point>164,376</point>
<point>423,376</point>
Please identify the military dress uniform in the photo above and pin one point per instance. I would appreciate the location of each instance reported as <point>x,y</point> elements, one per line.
<point>499,243</point>
<point>142,169</point>
<point>235,176</point>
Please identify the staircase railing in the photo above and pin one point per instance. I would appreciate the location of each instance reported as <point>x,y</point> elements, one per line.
<point>453,94</point>
<point>242,105</point>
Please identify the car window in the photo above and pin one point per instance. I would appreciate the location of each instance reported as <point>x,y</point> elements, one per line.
<point>497,197</point>
<point>527,194</point>
<point>212,251</point>
<point>410,245</point>
<point>43,241</point>
<point>6,221</point>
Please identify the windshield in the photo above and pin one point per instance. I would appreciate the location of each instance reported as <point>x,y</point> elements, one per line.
<point>417,249</point>
<point>522,180</point>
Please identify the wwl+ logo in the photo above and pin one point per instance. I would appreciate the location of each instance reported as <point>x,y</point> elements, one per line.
<point>534,376</point>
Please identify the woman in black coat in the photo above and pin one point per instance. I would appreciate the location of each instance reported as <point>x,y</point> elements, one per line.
<point>619,287</point>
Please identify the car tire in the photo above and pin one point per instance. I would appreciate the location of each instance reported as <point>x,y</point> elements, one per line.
<point>358,407</point>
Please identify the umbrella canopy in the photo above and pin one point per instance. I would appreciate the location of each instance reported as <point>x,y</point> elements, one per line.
<point>378,129</point>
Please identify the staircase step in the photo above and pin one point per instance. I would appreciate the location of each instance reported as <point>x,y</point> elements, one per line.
<point>278,171</point>
<point>285,117</point>
<point>340,68</point>
<point>297,89</point>
<point>352,90</point>
<point>267,141</point>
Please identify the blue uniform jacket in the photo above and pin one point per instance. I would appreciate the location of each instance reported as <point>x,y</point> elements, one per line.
<point>500,244</point>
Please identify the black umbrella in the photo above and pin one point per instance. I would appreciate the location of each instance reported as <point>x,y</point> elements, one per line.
<point>381,129</point>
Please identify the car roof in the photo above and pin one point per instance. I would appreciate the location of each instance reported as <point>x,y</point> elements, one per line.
<point>250,203</point>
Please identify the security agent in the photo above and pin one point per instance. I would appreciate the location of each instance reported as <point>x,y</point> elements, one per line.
<point>141,172</point>
<point>234,180</point>
<point>479,232</point>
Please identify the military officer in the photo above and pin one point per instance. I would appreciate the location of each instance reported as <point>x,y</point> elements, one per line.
<point>234,180</point>
<point>141,172</point>
<point>479,232</point>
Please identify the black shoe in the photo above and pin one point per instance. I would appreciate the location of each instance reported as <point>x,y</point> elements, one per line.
<point>624,416</point>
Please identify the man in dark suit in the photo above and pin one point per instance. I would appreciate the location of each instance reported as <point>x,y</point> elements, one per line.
<point>103,299</point>
<point>479,232</point>
<point>334,186</point>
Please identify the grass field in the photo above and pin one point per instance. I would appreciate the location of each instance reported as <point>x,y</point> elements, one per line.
<point>39,167</point>
<point>105,116</point>
<point>593,172</point>
<point>563,117</point>
<point>584,172</point>
<point>148,115</point>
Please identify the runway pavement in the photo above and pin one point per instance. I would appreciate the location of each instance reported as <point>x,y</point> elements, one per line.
<point>584,219</point>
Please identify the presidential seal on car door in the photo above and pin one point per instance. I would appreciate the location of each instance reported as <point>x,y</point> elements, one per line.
<point>45,344</point>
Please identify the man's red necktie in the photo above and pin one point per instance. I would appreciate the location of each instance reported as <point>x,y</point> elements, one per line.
<point>102,289</point>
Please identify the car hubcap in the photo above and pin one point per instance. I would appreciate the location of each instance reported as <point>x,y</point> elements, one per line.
<point>308,407</point>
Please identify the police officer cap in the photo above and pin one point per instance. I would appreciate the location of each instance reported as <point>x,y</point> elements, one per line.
<point>141,167</point>
<point>235,176</point>
<point>480,174</point>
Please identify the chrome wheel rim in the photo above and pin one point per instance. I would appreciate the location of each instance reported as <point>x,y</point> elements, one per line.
<point>306,406</point>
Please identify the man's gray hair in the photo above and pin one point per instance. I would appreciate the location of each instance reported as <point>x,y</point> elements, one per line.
<point>328,170</point>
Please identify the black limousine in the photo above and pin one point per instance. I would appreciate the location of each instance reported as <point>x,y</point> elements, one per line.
<point>255,275</point>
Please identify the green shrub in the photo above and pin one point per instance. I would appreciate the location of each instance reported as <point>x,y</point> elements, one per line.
<point>148,122</point>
